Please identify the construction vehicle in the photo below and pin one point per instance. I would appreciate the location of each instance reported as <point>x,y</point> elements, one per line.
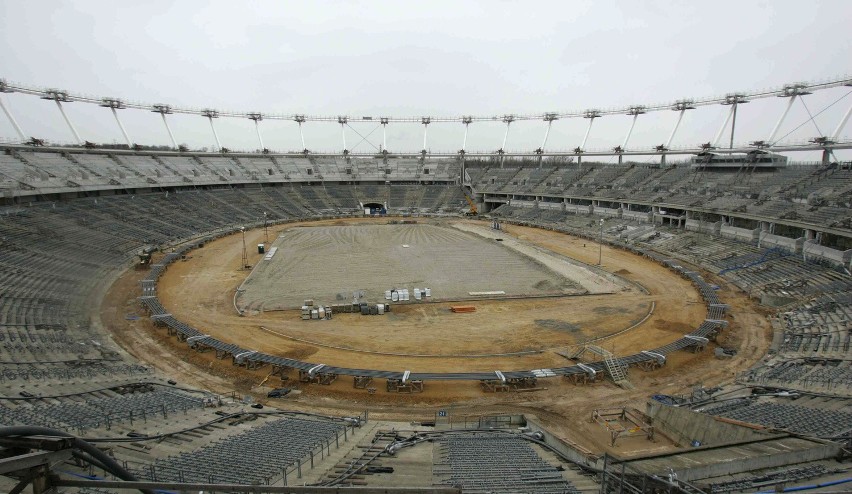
<point>144,256</point>
<point>472,211</point>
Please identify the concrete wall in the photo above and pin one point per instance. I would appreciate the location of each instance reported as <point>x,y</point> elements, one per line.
<point>769,240</point>
<point>578,208</point>
<point>813,251</point>
<point>685,426</point>
<point>700,226</point>
<point>692,225</point>
<point>571,451</point>
<point>732,449</point>
<point>642,216</point>
<point>741,234</point>
<point>762,462</point>
<point>550,205</point>
<point>612,213</point>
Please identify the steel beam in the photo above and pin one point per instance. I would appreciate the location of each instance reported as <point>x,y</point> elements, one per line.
<point>259,489</point>
<point>708,101</point>
<point>32,460</point>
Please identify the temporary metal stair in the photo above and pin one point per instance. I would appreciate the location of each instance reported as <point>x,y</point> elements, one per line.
<point>617,371</point>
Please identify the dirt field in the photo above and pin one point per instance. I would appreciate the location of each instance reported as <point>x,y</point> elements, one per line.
<point>330,263</point>
<point>200,292</point>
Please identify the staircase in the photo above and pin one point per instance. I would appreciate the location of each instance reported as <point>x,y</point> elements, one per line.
<point>242,167</point>
<point>582,480</point>
<point>615,368</point>
<point>170,168</point>
<point>617,371</point>
<point>70,157</point>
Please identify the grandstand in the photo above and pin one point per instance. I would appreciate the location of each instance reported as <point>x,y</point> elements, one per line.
<point>778,235</point>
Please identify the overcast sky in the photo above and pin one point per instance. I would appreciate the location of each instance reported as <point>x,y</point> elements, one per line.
<point>433,58</point>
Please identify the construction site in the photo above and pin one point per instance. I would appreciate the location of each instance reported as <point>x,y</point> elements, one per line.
<point>466,285</point>
<point>616,309</point>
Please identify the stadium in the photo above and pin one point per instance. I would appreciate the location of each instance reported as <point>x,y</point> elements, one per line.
<point>642,317</point>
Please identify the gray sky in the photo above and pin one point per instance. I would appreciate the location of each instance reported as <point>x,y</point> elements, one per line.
<point>423,58</point>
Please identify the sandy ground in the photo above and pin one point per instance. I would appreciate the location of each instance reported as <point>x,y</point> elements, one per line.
<point>200,292</point>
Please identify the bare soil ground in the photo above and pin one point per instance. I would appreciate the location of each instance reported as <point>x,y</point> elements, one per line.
<point>330,263</point>
<point>200,292</point>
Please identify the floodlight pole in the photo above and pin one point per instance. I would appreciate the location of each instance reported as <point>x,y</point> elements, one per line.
<point>734,100</point>
<point>733,126</point>
<point>790,91</point>
<point>781,120</point>
<point>724,126</point>
<point>680,106</point>
<point>60,96</point>
<point>265,227</point>
<point>384,121</point>
<point>211,114</point>
<point>507,119</point>
<point>600,244</point>
<point>549,118</point>
<point>591,115</point>
<point>635,111</point>
<point>343,121</point>
<point>68,121</point>
<point>116,104</point>
<point>674,130</point>
<point>12,119</point>
<point>466,121</point>
<point>257,117</point>
<point>300,119</point>
<point>425,121</point>
<point>5,89</point>
<point>163,110</point>
<point>245,254</point>
<point>842,124</point>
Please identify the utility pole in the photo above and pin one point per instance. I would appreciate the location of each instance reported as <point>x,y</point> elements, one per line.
<point>245,254</point>
<point>265,227</point>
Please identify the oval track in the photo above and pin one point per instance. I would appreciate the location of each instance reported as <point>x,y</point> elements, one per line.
<point>250,358</point>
